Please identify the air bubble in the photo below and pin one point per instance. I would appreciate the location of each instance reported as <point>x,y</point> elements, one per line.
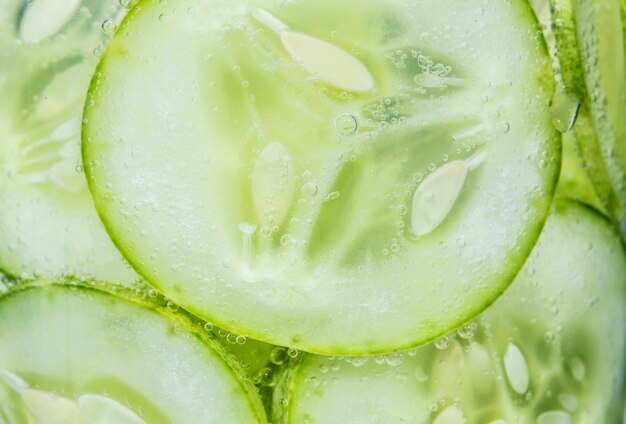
<point>310,189</point>
<point>266,377</point>
<point>394,359</point>
<point>108,26</point>
<point>468,330</point>
<point>358,361</point>
<point>278,356</point>
<point>504,127</point>
<point>442,343</point>
<point>420,375</point>
<point>347,124</point>
<point>286,240</point>
<point>332,196</point>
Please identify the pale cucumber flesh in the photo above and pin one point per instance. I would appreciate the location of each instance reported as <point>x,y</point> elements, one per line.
<point>243,178</point>
<point>48,52</point>
<point>551,347</point>
<point>82,354</point>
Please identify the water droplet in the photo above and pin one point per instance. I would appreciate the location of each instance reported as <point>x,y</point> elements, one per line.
<point>564,109</point>
<point>208,326</point>
<point>516,369</point>
<point>347,124</point>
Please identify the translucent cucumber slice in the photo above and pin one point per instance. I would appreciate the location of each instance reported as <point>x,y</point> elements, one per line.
<point>48,53</point>
<point>591,49</point>
<point>81,354</point>
<point>549,351</point>
<point>574,182</point>
<point>255,183</point>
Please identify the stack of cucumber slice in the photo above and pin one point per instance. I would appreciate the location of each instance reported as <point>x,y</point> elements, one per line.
<point>317,209</point>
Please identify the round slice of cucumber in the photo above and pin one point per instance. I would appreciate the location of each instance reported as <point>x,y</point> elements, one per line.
<point>340,177</point>
<point>96,354</point>
<point>591,51</point>
<point>48,53</point>
<point>550,350</point>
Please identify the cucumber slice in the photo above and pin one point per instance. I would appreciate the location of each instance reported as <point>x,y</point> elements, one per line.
<point>98,356</point>
<point>574,182</point>
<point>48,223</point>
<point>344,209</point>
<point>538,354</point>
<point>591,48</point>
